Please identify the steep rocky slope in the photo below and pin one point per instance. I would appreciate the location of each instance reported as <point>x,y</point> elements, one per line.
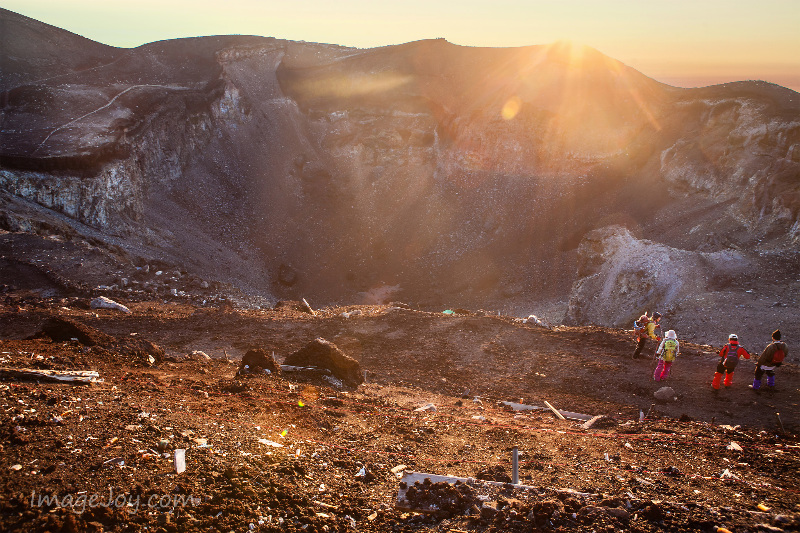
<point>428,172</point>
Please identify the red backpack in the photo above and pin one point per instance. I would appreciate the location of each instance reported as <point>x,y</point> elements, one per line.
<point>778,356</point>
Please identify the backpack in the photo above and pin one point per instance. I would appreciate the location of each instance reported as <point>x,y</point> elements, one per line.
<point>778,356</point>
<point>670,349</point>
<point>640,326</point>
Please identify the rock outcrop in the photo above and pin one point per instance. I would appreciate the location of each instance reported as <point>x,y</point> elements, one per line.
<point>622,276</point>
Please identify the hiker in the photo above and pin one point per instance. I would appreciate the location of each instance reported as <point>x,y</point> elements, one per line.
<point>728,359</point>
<point>667,352</point>
<point>645,327</point>
<point>771,358</point>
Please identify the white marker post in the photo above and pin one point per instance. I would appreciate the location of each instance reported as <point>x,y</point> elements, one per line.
<point>515,466</point>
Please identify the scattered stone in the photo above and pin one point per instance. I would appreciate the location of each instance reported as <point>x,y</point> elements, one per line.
<point>140,349</point>
<point>426,407</point>
<point>101,302</point>
<point>199,355</point>
<point>671,471</point>
<point>653,512</point>
<point>256,361</point>
<point>665,394</point>
<point>494,473</point>
<point>618,513</point>
<point>536,321</point>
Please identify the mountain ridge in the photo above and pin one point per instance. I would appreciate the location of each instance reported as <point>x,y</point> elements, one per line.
<point>431,172</point>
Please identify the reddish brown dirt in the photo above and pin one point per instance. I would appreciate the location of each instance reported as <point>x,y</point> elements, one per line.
<point>663,473</point>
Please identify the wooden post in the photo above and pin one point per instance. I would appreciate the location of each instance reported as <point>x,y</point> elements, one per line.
<point>555,411</point>
<point>780,424</point>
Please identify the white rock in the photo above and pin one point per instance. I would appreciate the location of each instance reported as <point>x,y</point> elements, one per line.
<point>101,302</point>
<point>665,393</point>
<point>197,354</point>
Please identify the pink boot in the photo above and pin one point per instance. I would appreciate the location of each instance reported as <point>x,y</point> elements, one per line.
<point>665,373</point>
<point>659,369</point>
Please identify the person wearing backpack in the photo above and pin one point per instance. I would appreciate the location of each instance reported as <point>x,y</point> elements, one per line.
<point>645,328</point>
<point>728,359</point>
<point>667,352</point>
<point>771,358</point>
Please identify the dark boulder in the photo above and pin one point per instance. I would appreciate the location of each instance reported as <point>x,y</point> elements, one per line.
<point>258,358</point>
<point>62,329</point>
<point>494,473</point>
<point>324,354</point>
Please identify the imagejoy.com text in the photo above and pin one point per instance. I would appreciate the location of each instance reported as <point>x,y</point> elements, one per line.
<point>81,501</point>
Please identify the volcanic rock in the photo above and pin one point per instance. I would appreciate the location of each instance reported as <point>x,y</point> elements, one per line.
<point>258,359</point>
<point>665,394</point>
<point>494,473</point>
<point>101,302</point>
<point>324,354</point>
<point>63,329</point>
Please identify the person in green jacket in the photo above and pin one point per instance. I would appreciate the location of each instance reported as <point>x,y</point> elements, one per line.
<point>667,352</point>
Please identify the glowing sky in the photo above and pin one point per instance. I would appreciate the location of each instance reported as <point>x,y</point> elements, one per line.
<point>682,42</point>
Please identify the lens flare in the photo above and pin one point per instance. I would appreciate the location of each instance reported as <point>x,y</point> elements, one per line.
<point>511,108</point>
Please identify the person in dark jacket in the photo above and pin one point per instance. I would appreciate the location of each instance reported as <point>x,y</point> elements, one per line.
<point>771,358</point>
<point>728,359</point>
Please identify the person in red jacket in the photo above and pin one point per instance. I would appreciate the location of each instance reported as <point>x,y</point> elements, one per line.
<point>728,359</point>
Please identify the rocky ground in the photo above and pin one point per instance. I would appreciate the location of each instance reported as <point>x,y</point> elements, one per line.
<point>300,452</point>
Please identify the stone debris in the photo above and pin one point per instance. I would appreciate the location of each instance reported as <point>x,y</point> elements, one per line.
<point>665,394</point>
<point>536,321</point>
<point>199,355</point>
<point>101,302</point>
<point>257,361</point>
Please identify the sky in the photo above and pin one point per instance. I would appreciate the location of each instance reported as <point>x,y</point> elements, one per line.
<point>687,43</point>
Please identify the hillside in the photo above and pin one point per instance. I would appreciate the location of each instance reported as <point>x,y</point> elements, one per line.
<point>439,175</point>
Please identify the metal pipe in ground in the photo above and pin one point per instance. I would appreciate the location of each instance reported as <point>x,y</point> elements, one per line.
<point>515,466</point>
